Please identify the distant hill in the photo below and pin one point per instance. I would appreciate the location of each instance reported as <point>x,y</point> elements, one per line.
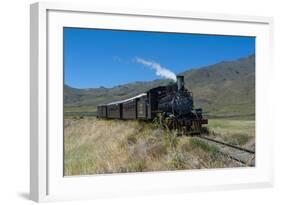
<point>223,89</point>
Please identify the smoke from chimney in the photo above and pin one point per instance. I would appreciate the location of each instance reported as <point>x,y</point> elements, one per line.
<point>160,71</point>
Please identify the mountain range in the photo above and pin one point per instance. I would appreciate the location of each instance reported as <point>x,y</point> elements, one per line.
<point>224,89</point>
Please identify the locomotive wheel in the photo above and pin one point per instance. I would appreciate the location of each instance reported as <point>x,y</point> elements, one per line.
<point>182,128</point>
<point>171,123</point>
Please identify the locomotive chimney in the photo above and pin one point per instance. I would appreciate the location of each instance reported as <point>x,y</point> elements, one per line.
<point>180,82</point>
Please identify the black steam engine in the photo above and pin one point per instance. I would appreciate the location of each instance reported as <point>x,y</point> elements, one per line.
<point>172,104</point>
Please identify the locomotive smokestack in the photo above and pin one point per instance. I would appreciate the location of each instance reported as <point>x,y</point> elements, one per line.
<point>180,82</point>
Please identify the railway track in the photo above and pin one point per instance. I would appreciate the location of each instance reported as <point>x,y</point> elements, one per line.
<point>241,155</point>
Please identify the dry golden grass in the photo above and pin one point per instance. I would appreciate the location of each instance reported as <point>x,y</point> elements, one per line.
<point>94,146</point>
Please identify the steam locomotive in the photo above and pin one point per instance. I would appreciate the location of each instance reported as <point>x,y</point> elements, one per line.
<point>172,104</point>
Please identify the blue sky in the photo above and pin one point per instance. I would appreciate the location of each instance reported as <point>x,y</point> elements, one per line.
<point>94,58</point>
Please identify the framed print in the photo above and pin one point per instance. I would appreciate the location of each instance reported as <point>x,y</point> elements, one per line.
<point>128,102</point>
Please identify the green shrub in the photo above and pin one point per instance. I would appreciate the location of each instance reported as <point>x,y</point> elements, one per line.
<point>212,149</point>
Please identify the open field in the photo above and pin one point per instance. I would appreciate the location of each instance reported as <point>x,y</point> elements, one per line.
<point>236,132</point>
<point>94,146</point>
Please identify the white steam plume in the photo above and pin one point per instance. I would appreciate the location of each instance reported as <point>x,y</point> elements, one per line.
<point>160,71</point>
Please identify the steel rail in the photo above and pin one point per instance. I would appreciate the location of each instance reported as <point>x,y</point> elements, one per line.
<point>232,146</point>
<point>229,145</point>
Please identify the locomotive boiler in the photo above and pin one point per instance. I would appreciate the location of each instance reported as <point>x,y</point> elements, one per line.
<point>172,104</point>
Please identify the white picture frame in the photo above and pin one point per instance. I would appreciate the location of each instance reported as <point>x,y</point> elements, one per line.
<point>47,182</point>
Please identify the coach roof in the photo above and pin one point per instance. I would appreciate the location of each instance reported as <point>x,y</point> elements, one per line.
<point>126,100</point>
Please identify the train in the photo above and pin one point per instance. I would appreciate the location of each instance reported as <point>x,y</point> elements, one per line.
<point>172,105</point>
